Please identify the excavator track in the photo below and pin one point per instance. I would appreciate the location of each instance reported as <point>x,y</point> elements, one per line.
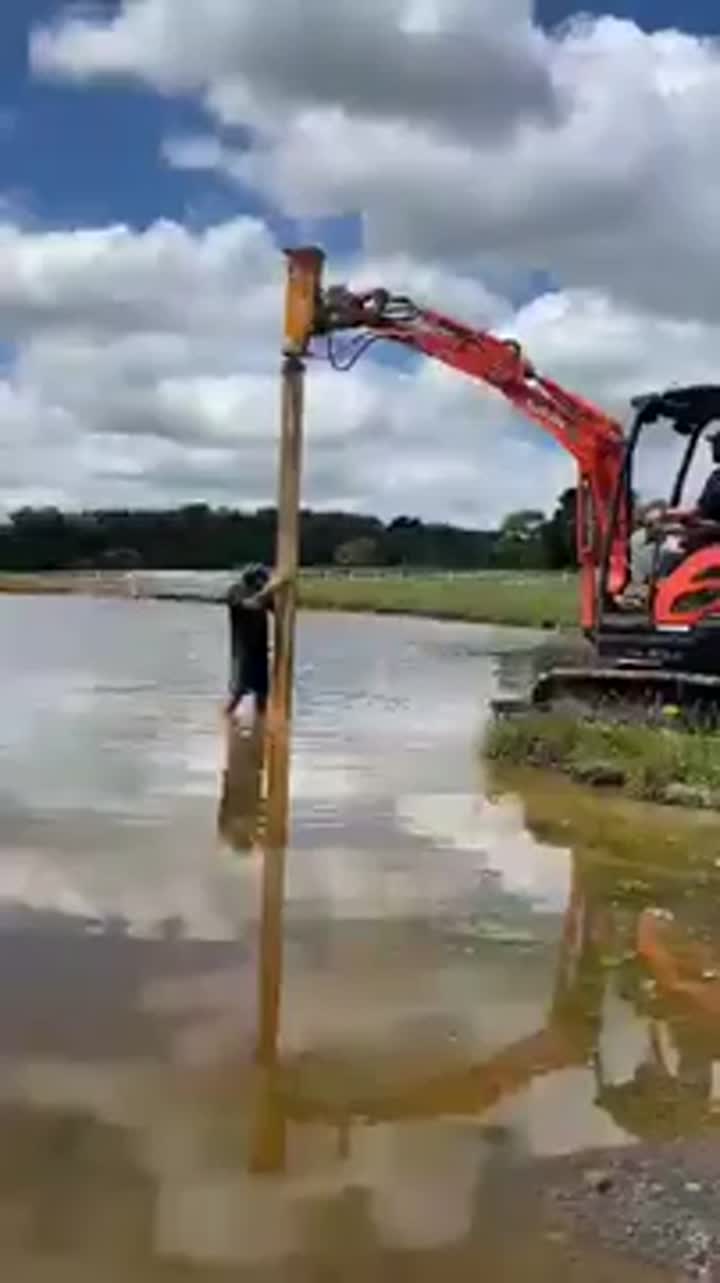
<point>631,693</point>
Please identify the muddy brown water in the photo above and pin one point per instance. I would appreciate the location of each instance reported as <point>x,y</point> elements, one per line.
<point>459,1025</point>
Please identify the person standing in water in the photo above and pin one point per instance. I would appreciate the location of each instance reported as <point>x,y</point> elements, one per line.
<point>250,602</point>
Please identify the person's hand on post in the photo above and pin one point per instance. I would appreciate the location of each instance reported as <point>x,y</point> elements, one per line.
<point>274,585</point>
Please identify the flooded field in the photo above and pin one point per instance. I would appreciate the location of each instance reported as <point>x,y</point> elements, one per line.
<point>487,1050</point>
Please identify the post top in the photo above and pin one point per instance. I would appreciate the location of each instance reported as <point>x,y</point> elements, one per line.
<point>306,253</point>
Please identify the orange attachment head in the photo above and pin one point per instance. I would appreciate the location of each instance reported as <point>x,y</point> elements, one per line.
<point>302,297</point>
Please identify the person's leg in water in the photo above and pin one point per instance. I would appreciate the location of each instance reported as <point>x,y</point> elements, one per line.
<point>256,682</point>
<point>250,677</point>
<point>236,691</point>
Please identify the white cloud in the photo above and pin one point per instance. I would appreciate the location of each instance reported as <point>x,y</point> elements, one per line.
<point>473,68</point>
<point>164,280</point>
<point>475,145</point>
<point>460,130</point>
<point>144,370</point>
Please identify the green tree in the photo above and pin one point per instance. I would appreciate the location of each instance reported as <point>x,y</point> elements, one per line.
<point>358,552</point>
<point>559,532</point>
<point>521,540</point>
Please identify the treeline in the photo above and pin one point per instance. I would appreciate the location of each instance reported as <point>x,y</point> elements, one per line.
<point>197,537</point>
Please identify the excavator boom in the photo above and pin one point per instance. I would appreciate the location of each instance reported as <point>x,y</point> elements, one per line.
<point>593,438</point>
<point>578,426</point>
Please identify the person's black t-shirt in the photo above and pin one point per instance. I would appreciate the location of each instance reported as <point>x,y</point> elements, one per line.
<point>709,502</point>
<point>249,641</point>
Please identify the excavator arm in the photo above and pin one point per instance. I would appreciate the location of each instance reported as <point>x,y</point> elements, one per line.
<point>593,438</point>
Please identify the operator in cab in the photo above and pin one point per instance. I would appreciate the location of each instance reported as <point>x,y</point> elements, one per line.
<point>708,505</point>
<point>250,602</point>
<point>689,533</point>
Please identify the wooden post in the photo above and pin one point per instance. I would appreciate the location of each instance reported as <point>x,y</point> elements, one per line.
<point>301,303</point>
<point>287,554</point>
<point>286,566</point>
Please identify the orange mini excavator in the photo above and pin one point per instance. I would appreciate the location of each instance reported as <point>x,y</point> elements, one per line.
<point>668,650</point>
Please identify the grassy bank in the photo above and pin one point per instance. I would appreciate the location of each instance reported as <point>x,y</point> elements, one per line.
<point>653,763</point>
<point>58,583</point>
<point>529,601</point>
<point>33,585</point>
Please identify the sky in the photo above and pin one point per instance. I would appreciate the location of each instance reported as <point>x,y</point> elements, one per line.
<point>546,173</point>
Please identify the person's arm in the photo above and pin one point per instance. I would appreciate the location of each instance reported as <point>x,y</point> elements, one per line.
<point>261,599</point>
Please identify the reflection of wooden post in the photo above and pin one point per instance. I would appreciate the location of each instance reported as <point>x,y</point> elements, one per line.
<point>270,961</point>
<point>240,809</point>
<point>267,1141</point>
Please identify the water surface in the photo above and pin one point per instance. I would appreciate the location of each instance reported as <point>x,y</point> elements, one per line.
<point>461,1001</point>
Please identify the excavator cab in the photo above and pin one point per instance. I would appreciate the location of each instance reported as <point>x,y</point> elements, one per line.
<point>665,651</point>
<point>679,625</point>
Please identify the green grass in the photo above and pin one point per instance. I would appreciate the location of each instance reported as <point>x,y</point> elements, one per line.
<point>530,600</point>
<point>655,763</point>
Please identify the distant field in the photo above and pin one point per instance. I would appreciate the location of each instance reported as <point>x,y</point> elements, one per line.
<point>531,600</point>
<point>525,600</point>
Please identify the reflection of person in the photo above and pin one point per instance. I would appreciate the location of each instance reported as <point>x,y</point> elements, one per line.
<point>250,601</point>
<point>240,811</point>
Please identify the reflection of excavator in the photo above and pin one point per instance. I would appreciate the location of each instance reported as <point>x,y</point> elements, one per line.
<point>625,941</point>
<point>669,649</point>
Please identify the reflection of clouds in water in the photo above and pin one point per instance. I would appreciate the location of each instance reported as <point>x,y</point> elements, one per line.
<point>327,776</point>
<point>227,1218</point>
<point>379,716</point>
<point>109,705</point>
<point>625,1041</point>
<point>119,714</point>
<point>213,906</point>
<point>494,831</point>
<point>71,745</point>
<point>30,880</point>
<point>423,1178</point>
<point>119,719</point>
<point>193,755</point>
<point>458,841</point>
<point>207,1209</point>
<point>214,1013</point>
<point>216,903</point>
<point>561,1116</point>
<point>378,882</point>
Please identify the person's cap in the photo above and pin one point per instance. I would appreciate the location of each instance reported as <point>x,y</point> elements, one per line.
<point>255,577</point>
